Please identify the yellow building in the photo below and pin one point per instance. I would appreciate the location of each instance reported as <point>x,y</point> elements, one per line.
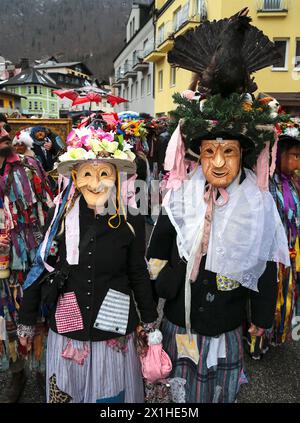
<point>279,19</point>
<point>10,102</point>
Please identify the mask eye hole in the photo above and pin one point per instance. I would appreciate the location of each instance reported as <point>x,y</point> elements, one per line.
<point>104,173</point>
<point>87,174</point>
<point>208,151</point>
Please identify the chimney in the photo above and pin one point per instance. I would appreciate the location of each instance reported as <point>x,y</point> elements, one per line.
<point>24,63</point>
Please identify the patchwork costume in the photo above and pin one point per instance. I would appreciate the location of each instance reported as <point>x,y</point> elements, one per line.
<point>25,200</point>
<point>219,235</point>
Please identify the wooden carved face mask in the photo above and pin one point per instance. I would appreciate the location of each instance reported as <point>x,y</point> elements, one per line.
<point>220,161</point>
<point>96,181</point>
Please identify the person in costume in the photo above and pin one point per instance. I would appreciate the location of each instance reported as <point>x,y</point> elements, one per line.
<point>25,198</point>
<point>45,148</point>
<point>219,235</point>
<point>100,272</point>
<point>23,144</point>
<point>286,196</point>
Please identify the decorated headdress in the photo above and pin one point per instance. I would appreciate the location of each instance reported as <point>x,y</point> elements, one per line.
<point>96,144</point>
<point>289,130</point>
<point>223,55</point>
<point>23,137</point>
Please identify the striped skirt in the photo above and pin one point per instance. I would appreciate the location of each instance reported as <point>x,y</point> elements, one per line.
<point>217,384</point>
<point>98,373</point>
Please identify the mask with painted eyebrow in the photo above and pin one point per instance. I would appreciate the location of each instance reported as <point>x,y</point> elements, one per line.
<point>220,161</point>
<point>95,182</point>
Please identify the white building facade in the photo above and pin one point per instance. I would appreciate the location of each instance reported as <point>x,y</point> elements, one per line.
<point>133,78</point>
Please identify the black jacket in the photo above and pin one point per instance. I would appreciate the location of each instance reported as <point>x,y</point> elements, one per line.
<point>213,314</point>
<point>109,258</point>
<point>46,157</point>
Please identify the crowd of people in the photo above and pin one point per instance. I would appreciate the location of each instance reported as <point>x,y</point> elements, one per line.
<point>78,287</point>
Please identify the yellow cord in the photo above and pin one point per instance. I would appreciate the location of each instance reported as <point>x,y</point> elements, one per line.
<point>117,205</point>
<point>74,174</point>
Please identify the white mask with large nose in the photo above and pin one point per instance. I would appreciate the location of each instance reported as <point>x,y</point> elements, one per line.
<point>96,180</point>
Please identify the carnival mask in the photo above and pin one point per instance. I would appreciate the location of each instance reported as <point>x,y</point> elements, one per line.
<point>96,181</point>
<point>40,135</point>
<point>20,148</point>
<point>290,160</point>
<point>220,161</point>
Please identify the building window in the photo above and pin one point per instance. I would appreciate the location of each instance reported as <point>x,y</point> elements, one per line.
<point>35,91</point>
<point>41,105</point>
<point>161,34</point>
<point>1,103</point>
<point>28,90</point>
<point>160,80</point>
<point>172,76</point>
<point>136,89</point>
<point>177,19</point>
<point>149,84</point>
<point>52,94</point>
<point>53,107</point>
<point>142,87</point>
<point>36,105</point>
<point>133,26</point>
<point>30,105</point>
<point>41,90</point>
<point>272,5</point>
<point>297,55</point>
<point>134,57</point>
<point>282,47</point>
<point>10,104</point>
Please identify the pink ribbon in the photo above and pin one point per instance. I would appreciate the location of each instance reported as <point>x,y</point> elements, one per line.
<point>210,197</point>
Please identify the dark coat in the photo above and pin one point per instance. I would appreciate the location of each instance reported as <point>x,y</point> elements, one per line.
<point>46,157</point>
<point>109,258</point>
<point>213,312</point>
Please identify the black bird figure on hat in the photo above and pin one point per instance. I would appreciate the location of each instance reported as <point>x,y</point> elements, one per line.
<point>224,53</point>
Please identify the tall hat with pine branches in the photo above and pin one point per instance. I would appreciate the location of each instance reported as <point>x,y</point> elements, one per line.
<point>222,56</point>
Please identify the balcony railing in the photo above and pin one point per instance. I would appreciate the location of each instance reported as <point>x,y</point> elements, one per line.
<point>272,5</point>
<point>150,46</point>
<point>128,70</point>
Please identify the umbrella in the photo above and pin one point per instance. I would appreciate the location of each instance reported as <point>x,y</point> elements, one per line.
<point>71,94</point>
<point>113,100</point>
<point>88,98</point>
<point>89,95</point>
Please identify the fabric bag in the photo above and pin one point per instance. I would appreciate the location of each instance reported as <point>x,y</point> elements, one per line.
<point>156,364</point>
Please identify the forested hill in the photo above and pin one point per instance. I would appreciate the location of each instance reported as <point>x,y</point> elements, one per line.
<point>72,30</point>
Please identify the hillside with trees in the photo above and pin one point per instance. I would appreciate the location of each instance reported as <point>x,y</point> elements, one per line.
<point>92,31</point>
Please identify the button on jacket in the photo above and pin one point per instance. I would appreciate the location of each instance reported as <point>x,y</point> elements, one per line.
<point>213,312</point>
<point>108,259</point>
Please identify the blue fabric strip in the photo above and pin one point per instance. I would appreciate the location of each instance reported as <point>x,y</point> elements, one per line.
<point>38,267</point>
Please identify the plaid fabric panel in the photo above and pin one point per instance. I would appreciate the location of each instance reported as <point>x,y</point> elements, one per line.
<point>68,317</point>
